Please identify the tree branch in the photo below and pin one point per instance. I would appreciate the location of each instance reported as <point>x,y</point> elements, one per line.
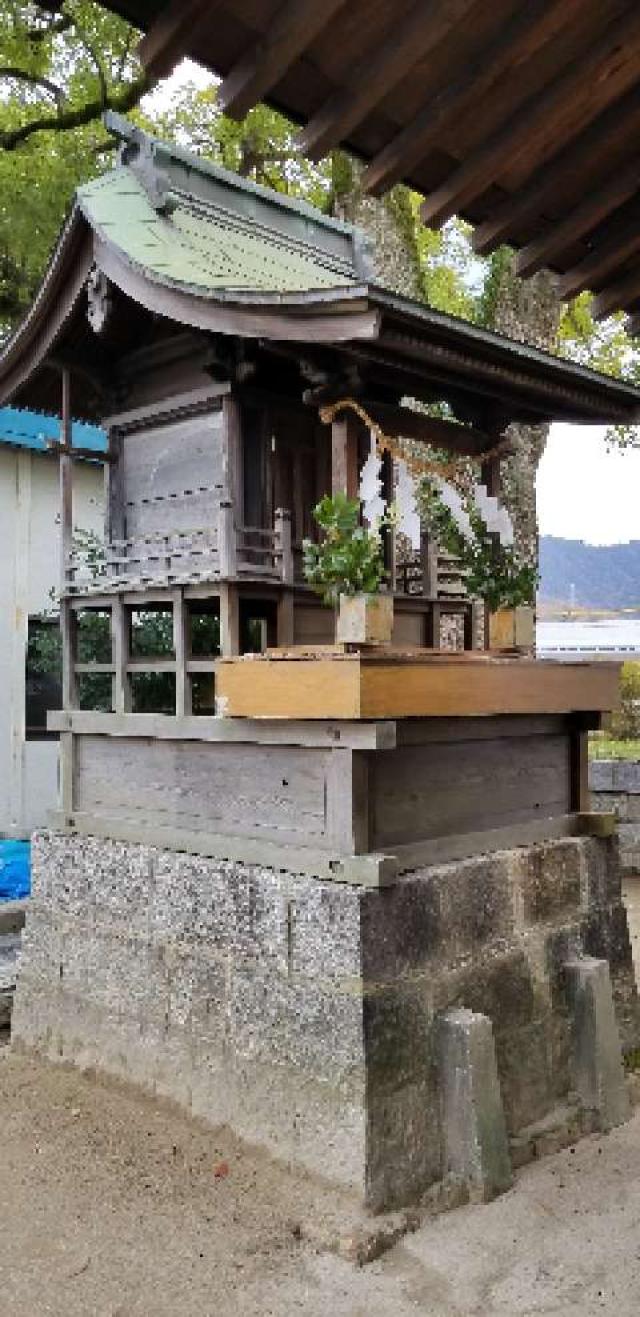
<point>36,80</point>
<point>123,99</point>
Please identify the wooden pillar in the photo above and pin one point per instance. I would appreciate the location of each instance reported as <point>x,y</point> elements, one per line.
<point>229,620</point>
<point>120,639</point>
<point>429,565</point>
<point>181,646</point>
<point>227,541</point>
<point>67,616</point>
<point>490,476</point>
<point>345,474</point>
<point>66,481</point>
<point>232,455</point>
<point>580,795</point>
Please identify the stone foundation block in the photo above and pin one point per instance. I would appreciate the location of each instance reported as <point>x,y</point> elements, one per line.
<point>474,1130</point>
<point>306,1013</point>
<point>597,1054</point>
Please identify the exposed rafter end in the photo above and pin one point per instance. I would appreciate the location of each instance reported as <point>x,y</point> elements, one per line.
<point>292,30</point>
<point>622,241</point>
<point>378,71</point>
<point>170,37</point>
<point>618,296</point>
<point>582,220</point>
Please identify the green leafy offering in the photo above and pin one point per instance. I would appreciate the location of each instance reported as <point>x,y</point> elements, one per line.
<point>494,571</point>
<point>349,559</point>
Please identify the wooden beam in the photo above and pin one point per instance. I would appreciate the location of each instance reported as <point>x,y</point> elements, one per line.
<point>607,67</point>
<point>528,29</point>
<point>618,296</point>
<point>622,239</point>
<point>172,35</point>
<point>65,471</point>
<point>291,31</point>
<point>584,153</point>
<point>377,71</point>
<point>595,207</point>
<point>400,422</point>
<point>345,476</point>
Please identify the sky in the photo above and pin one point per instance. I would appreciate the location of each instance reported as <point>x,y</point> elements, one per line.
<point>584,491</point>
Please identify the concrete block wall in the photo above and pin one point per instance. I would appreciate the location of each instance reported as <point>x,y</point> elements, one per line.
<point>305,1013</point>
<point>615,789</point>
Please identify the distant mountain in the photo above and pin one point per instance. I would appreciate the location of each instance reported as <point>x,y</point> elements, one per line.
<point>592,576</point>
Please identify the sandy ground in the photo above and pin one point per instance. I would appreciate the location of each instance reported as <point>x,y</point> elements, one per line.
<point>115,1206</point>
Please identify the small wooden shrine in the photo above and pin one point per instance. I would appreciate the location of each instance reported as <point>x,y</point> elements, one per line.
<point>205,323</point>
<point>242,911</point>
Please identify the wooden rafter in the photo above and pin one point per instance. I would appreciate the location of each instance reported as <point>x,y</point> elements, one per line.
<point>582,219</point>
<point>528,30</point>
<point>171,35</point>
<point>621,241</point>
<point>592,146</point>
<point>620,295</point>
<point>377,71</point>
<point>610,65</point>
<point>292,29</point>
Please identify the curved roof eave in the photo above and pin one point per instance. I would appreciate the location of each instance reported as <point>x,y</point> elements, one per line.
<point>64,280</point>
<point>331,315</point>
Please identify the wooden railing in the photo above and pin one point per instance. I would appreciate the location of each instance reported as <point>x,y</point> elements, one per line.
<point>221,552</point>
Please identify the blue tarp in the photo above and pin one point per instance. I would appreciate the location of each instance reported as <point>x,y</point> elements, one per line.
<point>15,870</point>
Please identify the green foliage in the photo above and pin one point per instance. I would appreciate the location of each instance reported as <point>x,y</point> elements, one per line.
<point>494,571</point>
<point>625,721</point>
<point>602,746</point>
<point>349,558</point>
<point>58,72</point>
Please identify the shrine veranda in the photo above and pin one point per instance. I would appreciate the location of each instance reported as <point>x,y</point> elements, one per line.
<point>294,891</point>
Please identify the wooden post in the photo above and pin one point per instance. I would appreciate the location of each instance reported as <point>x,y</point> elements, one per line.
<point>66,481</point>
<point>181,645</point>
<point>232,465</point>
<point>283,545</point>
<point>227,546</point>
<point>285,601</point>
<point>67,616</point>
<point>285,620</point>
<point>429,565</point>
<point>120,635</point>
<point>229,620</point>
<point>344,455</point>
<point>490,475</point>
<point>580,794</point>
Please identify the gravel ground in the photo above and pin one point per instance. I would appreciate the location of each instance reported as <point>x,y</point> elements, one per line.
<point>113,1205</point>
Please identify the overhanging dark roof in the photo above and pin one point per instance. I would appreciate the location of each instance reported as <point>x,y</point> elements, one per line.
<point>522,117</point>
<point>193,245</point>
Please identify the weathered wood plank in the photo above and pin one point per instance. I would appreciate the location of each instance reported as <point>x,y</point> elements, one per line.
<point>356,736</point>
<point>460,787</point>
<point>360,870</point>
<point>441,850</point>
<point>275,791</point>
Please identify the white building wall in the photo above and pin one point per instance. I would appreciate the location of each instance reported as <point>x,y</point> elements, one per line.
<point>29,570</point>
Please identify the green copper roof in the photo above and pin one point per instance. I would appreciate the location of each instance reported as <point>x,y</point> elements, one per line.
<point>210,247</point>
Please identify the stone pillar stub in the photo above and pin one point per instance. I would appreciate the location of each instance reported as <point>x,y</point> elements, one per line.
<point>597,1053</point>
<point>476,1149</point>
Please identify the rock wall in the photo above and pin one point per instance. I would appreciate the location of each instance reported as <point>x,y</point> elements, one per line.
<point>615,789</point>
<point>304,1012</point>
